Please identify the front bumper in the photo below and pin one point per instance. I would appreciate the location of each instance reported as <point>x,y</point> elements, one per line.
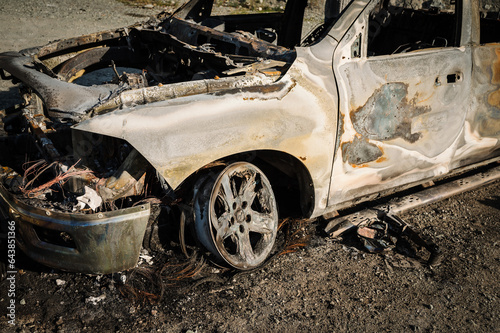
<point>98,243</point>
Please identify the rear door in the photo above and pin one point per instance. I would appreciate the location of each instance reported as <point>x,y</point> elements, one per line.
<point>482,128</point>
<point>404,84</point>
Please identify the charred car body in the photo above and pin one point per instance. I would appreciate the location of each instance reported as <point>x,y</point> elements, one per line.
<point>233,116</point>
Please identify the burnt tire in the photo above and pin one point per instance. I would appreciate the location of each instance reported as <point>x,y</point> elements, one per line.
<point>236,216</point>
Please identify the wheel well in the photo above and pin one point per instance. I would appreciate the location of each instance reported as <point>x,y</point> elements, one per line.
<point>292,184</point>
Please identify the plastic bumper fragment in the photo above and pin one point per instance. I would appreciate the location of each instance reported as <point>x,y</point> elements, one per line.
<point>98,243</point>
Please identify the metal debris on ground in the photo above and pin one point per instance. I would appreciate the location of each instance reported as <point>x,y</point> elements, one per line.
<point>136,284</point>
<point>385,233</point>
<point>297,234</point>
<point>145,257</point>
<point>60,282</point>
<point>147,284</point>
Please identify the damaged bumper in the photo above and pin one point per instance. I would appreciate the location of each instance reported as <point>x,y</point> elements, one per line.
<point>88,243</point>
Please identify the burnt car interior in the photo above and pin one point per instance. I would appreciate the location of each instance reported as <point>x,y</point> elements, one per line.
<point>395,29</point>
<point>489,27</point>
<point>204,46</point>
<point>283,28</point>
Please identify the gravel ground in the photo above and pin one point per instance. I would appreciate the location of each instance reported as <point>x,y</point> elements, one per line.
<point>331,285</point>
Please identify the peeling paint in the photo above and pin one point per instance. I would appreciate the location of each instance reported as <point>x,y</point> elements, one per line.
<point>388,114</point>
<point>360,151</point>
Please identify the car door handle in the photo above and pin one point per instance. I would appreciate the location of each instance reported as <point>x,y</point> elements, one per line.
<point>450,78</point>
<point>453,78</point>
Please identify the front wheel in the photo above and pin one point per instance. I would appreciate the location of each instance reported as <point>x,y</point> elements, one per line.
<point>236,217</point>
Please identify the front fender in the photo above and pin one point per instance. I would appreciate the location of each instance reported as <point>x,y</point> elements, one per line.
<point>180,136</point>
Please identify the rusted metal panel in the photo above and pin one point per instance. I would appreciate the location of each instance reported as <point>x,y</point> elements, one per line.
<point>189,132</point>
<point>481,138</point>
<point>58,46</point>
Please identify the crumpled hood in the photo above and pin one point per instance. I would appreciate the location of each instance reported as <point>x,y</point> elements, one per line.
<point>62,99</point>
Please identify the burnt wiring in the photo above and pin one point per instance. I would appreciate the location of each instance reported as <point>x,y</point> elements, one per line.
<point>37,169</point>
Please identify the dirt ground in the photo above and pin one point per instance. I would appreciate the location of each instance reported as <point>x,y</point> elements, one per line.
<point>331,285</point>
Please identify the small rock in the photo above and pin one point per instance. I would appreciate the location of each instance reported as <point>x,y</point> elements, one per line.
<point>60,282</point>
<point>59,321</point>
<point>95,300</point>
<point>148,6</point>
<point>22,302</point>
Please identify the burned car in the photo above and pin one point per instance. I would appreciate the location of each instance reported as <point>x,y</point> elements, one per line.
<point>238,120</point>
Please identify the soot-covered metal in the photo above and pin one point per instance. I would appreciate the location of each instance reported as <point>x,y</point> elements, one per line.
<point>226,118</point>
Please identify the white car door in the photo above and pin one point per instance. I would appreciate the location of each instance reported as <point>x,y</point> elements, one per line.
<point>404,80</point>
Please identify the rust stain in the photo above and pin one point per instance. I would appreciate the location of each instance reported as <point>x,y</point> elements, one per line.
<point>267,89</point>
<point>494,97</point>
<point>496,68</point>
<point>426,99</point>
<point>340,130</point>
<point>303,158</point>
<point>381,158</point>
<point>79,74</point>
<point>271,73</point>
<point>258,137</point>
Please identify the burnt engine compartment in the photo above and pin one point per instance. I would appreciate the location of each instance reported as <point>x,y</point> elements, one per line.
<point>170,49</point>
<point>186,46</point>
